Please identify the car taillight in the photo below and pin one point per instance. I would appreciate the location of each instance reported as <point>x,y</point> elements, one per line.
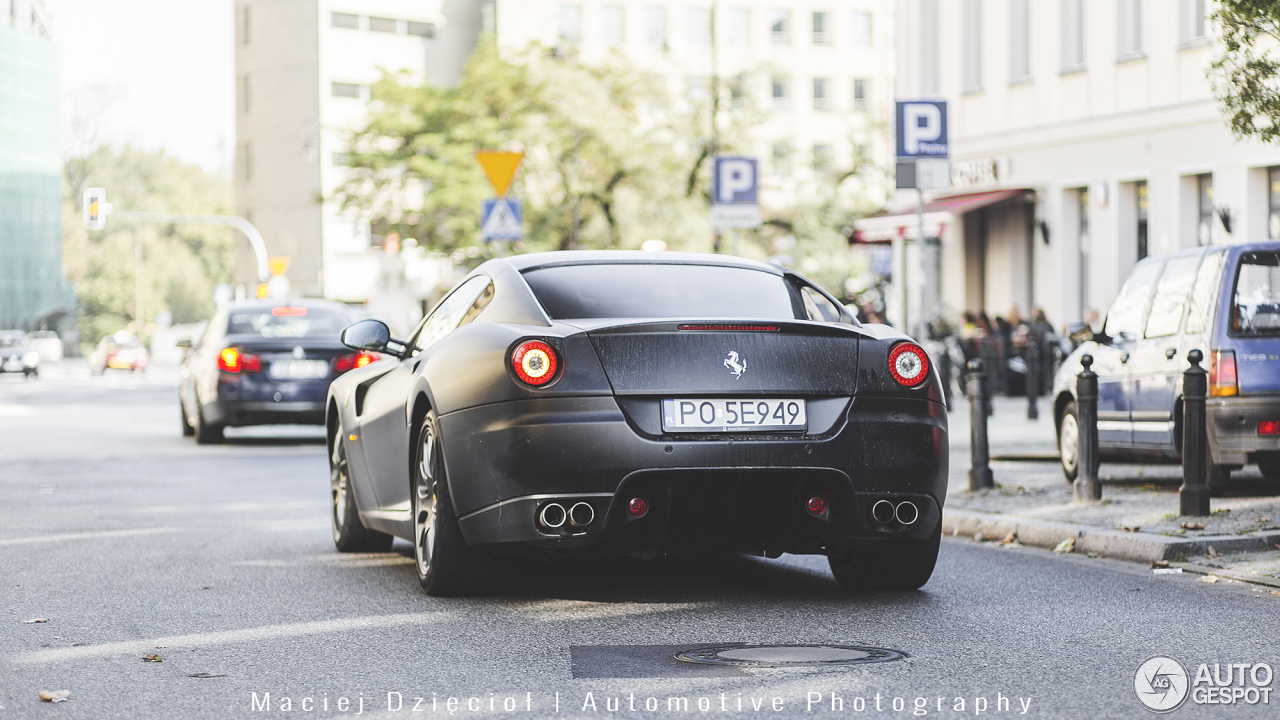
<point>232,360</point>
<point>1222,374</point>
<point>908,364</point>
<point>354,360</point>
<point>535,362</point>
<point>1269,427</point>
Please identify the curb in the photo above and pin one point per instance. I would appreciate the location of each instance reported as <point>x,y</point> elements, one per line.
<point>1138,547</point>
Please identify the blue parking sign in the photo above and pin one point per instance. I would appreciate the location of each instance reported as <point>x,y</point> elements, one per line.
<point>733,180</point>
<point>921,128</point>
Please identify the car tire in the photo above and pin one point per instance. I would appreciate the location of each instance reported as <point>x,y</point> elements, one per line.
<point>1069,442</point>
<point>1216,478</point>
<point>902,564</point>
<point>206,433</point>
<point>1270,468</point>
<point>349,533</point>
<point>187,429</point>
<point>446,563</point>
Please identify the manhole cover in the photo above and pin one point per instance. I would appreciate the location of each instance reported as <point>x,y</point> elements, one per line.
<point>779,655</point>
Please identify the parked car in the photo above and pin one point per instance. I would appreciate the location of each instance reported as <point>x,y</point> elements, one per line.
<point>1223,301</point>
<point>639,403</point>
<point>119,351</point>
<point>263,362</point>
<point>47,345</point>
<point>17,355</point>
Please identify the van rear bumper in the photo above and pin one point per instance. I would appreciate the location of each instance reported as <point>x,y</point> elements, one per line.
<point>1233,427</point>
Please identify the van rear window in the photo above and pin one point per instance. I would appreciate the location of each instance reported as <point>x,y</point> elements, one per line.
<point>1255,300</point>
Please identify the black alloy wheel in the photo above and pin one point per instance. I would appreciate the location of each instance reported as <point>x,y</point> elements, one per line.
<point>349,533</point>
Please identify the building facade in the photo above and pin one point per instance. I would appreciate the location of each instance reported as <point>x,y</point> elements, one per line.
<point>34,293</point>
<point>1084,136</point>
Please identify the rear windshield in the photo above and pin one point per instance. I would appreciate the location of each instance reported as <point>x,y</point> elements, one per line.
<point>286,322</point>
<point>1256,298</point>
<point>660,291</point>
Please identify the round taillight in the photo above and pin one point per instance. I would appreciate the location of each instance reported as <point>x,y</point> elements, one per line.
<point>638,507</point>
<point>535,362</point>
<point>816,505</point>
<point>908,364</point>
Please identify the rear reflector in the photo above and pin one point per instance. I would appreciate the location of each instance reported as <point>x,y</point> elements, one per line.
<point>908,364</point>
<point>1222,374</point>
<point>638,507</point>
<point>288,311</point>
<point>732,328</point>
<point>816,506</point>
<point>1269,427</point>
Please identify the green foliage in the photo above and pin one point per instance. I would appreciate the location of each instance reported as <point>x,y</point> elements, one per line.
<point>180,263</point>
<point>1244,75</point>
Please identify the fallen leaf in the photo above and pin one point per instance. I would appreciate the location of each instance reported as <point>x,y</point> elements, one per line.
<point>1188,525</point>
<point>152,658</point>
<point>1209,579</point>
<point>1212,553</point>
<point>1126,528</point>
<point>161,647</point>
<point>1065,546</point>
<point>1160,563</point>
<point>1093,554</point>
<point>1264,519</point>
<point>1275,592</point>
<point>54,696</point>
<point>45,620</point>
<point>1012,537</point>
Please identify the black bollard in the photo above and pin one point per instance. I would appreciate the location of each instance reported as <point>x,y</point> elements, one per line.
<point>944,371</point>
<point>980,463</point>
<point>1193,496</point>
<point>987,353</point>
<point>1033,377</point>
<point>1087,486</point>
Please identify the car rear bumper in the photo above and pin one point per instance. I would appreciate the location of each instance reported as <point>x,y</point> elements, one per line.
<point>258,401</point>
<point>1233,428</point>
<point>738,492</point>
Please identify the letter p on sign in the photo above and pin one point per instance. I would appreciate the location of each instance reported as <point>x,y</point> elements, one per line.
<point>735,180</point>
<point>922,129</point>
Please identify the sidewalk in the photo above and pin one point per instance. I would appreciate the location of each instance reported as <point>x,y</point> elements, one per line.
<point>1137,519</point>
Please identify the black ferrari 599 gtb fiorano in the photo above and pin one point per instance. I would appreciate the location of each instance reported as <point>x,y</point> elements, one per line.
<point>639,404</point>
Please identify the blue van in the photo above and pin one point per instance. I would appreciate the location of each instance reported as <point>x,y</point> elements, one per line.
<point>1224,301</point>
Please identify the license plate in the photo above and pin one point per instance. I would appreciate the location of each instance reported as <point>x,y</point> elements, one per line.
<point>298,369</point>
<point>719,415</point>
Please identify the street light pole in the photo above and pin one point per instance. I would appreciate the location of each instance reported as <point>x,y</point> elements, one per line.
<point>921,280</point>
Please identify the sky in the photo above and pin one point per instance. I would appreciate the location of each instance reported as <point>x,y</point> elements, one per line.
<point>156,74</point>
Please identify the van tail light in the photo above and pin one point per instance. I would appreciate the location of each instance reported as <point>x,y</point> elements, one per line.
<point>908,364</point>
<point>354,360</point>
<point>232,360</point>
<point>1222,374</point>
<point>535,362</point>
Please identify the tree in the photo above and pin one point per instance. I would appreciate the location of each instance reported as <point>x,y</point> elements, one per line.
<point>1244,75</point>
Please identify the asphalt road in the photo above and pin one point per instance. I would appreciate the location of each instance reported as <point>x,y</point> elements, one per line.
<point>130,541</point>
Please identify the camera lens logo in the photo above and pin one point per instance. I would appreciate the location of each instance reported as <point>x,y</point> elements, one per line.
<point>1161,684</point>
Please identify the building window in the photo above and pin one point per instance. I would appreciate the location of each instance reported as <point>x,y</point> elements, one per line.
<point>780,94</point>
<point>344,20</point>
<point>738,91</point>
<point>655,26</point>
<point>1019,41</point>
<point>1191,19</point>
<point>821,96</point>
<point>341,159</point>
<point>781,158</point>
<point>861,29</point>
<point>346,90</point>
<point>929,47</point>
<point>248,161</point>
<point>421,29</point>
<point>821,28</point>
<point>699,26</point>
<point>1073,36</point>
<point>972,45</point>
<point>780,26</point>
<point>861,92</point>
<point>245,24</point>
<point>821,157</point>
<point>1273,203</point>
<point>611,25</point>
<point>569,23</point>
<point>247,91</point>
<point>382,25</point>
<point>1140,199</point>
<point>1204,207</point>
<point>739,26</point>
<point>1130,27</point>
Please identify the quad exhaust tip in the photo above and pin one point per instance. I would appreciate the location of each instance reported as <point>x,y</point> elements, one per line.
<point>906,512</point>
<point>581,514</point>
<point>553,515</point>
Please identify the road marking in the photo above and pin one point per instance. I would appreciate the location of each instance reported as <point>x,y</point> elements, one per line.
<point>88,535</point>
<point>229,637</point>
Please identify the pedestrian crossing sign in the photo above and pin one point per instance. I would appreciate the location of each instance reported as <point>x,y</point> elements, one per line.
<point>501,218</point>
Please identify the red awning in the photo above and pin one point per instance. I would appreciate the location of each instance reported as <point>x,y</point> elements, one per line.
<point>938,212</point>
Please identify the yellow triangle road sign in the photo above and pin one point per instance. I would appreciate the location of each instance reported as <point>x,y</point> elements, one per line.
<point>500,167</point>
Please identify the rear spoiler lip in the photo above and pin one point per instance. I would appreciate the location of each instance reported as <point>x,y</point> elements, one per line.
<point>606,326</point>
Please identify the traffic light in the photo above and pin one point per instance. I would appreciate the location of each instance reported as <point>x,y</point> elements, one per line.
<point>95,208</point>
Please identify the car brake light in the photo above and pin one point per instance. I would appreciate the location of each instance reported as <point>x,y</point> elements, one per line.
<point>1269,427</point>
<point>535,362</point>
<point>354,360</point>
<point>1222,374</point>
<point>288,311</point>
<point>233,361</point>
<point>908,364</point>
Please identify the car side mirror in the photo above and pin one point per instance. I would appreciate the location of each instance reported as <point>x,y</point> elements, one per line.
<point>371,335</point>
<point>1080,332</point>
<point>184,344</point>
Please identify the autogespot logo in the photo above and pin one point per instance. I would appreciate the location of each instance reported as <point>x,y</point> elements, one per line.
<point>1161,684</point>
